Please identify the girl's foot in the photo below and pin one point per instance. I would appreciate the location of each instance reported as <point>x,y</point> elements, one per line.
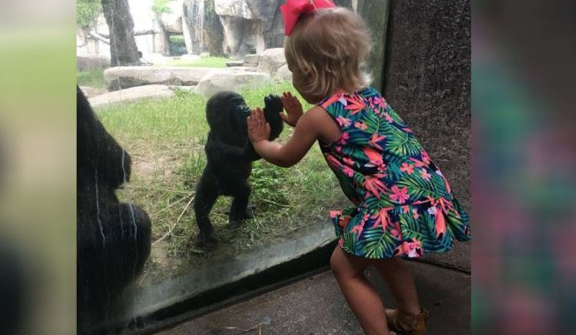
<point>407,323</point>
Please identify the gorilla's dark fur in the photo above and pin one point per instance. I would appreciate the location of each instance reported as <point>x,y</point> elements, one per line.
<point>230,155</point>
<point>114,239</point>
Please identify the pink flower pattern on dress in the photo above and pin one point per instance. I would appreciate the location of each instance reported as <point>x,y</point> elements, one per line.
<point>425,175</point>
<point>399,195</point>
<point>407,168</point>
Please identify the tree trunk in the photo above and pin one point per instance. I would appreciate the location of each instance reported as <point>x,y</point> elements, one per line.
<point>123,50</point>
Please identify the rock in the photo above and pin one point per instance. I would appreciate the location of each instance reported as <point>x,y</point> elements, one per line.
<point>234,63</point>
<point>231,80</point>
<point>235,8</point>
<point>202,29</point>
<point>124,77</point>
<point>90,92</point>
<point>238,25</point>
<point>283,74</point>
<point>251,60</point>
<point>250,25</point>
<point>133,94</point>
<point>92,62</point>
<point>373,13</point>
<point>240,69</point>
<point>271,22</point>
<point>240,35</point>
<point>271,60</point>
<point>172,21</point>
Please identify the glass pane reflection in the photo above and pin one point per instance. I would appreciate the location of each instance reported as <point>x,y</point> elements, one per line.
<point>140,158</point>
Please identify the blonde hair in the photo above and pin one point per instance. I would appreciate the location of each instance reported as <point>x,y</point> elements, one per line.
<point>328,50</point>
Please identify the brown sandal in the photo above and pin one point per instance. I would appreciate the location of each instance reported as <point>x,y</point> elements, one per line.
<point>407,323</point>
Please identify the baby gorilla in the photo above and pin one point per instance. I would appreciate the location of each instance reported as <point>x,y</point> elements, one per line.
<point>230,155</point>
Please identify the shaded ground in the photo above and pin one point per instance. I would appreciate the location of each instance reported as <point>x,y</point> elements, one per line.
<point>162,264</point>
<point>315,306</point>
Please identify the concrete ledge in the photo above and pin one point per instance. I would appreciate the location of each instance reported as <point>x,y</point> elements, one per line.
<point>147,310</point>
<point>316,306</point>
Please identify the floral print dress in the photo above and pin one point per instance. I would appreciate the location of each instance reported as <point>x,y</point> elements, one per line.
<point>403,204</point>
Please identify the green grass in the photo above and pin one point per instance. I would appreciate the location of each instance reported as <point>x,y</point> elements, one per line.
<point>93,78</point>
<point>165,139</point>
<point>176,38</point>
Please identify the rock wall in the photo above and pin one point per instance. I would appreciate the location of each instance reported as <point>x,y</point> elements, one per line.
<point>428,80</point>
<point>218,27</point>
<point>203,31</point>
<point>376,16</point>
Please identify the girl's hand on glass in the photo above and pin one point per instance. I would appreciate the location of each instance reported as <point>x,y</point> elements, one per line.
<point>258,128</point>
<point>293,109</point>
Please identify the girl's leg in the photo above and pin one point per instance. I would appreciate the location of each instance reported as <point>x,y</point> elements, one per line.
<point>397,276</point>
<point>361,296</point>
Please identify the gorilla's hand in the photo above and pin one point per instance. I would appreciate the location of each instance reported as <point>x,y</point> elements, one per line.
<point>272,109</point>
<point>272,103</point>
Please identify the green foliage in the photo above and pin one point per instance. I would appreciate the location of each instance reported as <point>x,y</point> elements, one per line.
<point>87,11</point>
<point>376,244</point>
<point>401,143</point>
<point>93,78</point>
<point>177,45</point>
<point>418,187</point>
<point>161,6</point>
<point>176,38</point>
<point>267,184</point>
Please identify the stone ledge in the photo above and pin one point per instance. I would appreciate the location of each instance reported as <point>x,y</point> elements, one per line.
<point>217,286</point>
<point>135,94</point>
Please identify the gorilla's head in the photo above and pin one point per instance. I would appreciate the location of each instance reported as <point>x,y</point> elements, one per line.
<point>227,111</point>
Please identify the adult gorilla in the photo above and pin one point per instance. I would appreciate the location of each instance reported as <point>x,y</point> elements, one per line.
<point>113,238</point>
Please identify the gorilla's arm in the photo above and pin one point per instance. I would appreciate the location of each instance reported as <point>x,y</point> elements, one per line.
<point>216,148</point>
<point>272,109</point>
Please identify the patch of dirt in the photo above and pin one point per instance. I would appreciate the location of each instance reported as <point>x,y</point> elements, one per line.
<point>155,165</point>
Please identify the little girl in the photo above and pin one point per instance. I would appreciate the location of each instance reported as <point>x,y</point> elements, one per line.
<point>403,205</point>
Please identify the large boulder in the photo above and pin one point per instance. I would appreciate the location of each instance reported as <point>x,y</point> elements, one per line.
<point>236,8</point>
<point>92,62</point>
<point>202,29</point>
<point>123,77</point>
<point>251,60</point>
<point>136,94</point>
<point>243,25</point>
<point>240,34</point>
<point>172,21</point>
<point>271,60</point>
<point>267,12</point>
<point>283,74</point>
<point>231,81</point>
<point>271,22</point>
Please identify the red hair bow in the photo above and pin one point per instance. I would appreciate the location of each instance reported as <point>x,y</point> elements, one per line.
<point>292,10</point>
